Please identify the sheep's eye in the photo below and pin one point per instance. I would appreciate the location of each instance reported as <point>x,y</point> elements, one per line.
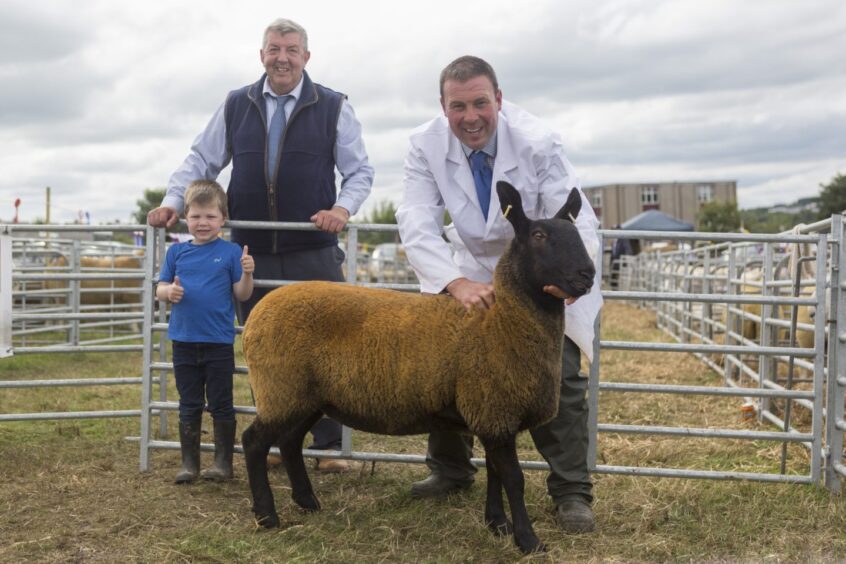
<point>539,235</point>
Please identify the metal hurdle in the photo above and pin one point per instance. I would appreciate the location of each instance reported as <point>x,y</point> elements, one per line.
<point>694,291</point>
<point>12,320</point>
<point>750,366</point>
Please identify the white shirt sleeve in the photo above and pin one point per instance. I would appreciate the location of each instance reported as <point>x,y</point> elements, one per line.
<point>208,156</point>
<point>351,161</point>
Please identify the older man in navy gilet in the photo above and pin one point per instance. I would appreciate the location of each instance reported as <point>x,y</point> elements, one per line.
<point>285,136</point>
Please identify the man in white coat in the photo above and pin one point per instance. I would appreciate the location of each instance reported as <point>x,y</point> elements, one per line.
<point>453,161</point>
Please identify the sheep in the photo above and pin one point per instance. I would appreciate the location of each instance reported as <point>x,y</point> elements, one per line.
<point>100,264</point>
<point>752,280</point>
<point>394,363</point>
<point>94,292</point>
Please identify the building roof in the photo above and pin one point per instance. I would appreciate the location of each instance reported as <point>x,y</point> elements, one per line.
<point>653,220</point>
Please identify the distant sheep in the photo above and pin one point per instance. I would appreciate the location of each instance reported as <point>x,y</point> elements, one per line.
<point>94,264</point>
<point>397,363</point>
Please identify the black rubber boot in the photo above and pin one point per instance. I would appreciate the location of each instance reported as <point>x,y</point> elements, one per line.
<point>224,443</point>
<point>189,440</point>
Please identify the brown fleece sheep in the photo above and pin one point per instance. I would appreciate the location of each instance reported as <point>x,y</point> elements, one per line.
<point>395,363</point>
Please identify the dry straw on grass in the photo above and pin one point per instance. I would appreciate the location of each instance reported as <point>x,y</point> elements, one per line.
<point>71,491</point>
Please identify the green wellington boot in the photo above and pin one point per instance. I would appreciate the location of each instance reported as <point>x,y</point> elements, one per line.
<point>224,444</point>
<point>189,439</point>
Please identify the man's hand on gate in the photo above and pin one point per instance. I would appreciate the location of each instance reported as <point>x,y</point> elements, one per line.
<point>332,221</point>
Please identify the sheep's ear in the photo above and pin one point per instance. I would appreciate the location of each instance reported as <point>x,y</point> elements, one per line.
<point>572,207</point>
<point>512,206</point>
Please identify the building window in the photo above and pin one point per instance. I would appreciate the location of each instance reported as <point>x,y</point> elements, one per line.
<point>649,197</point>
<point>595,197</point>
<point>704,193</point>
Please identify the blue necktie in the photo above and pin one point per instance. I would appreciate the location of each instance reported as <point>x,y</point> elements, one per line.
<point>482,176</point>
<point>274,133</point>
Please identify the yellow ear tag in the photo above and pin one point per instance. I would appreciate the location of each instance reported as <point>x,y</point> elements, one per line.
<point>505,213</point>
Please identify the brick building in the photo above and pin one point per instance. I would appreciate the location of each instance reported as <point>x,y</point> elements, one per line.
<point>616,203</point>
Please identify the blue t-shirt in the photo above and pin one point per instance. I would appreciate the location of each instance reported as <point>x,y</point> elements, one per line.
<point>207,272</point>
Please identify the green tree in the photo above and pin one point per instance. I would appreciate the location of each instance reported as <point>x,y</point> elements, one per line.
<point>833,197</point>
<point>383,213</point>
<point>718,217</point>
<point>152,199</point>
<point>762,220</point>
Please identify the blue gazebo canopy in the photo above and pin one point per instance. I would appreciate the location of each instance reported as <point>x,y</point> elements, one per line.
<point>653,220</point>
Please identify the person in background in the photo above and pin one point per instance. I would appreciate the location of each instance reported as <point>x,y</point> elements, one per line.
<point>453,161</point>
<point>285,136</point>
<point>199,278</point>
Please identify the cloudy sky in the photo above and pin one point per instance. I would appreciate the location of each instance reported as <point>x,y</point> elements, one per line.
<point>101,99</point>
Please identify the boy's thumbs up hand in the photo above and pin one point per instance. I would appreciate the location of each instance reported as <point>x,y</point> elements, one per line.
<point>175,291</point>
<point>248,265</point>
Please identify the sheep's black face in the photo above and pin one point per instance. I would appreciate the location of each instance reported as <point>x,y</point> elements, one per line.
<point>550,251</point>
<point>558,257</point>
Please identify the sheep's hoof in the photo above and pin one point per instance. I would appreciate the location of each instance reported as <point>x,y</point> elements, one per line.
<point>501,528</point>
<point>308,502</point>
<point>530,544</point>
<point>268,521</point>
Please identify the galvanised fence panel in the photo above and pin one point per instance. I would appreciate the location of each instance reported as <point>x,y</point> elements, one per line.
<point>762,311</point>
<point>60,295</point>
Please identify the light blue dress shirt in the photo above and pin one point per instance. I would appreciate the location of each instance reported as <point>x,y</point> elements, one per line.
<point>489,149</point>
<point>209,155</point>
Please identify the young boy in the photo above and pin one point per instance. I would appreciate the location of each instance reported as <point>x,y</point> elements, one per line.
<point>199,278</point>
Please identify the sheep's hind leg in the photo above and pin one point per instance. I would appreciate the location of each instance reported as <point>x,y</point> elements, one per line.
<point>495,517</point>
<point>257,440</point>
<point>291,445</point>
<point>502,459</point>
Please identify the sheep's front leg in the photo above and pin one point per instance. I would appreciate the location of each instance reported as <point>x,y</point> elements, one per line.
<point>495,517</point>
<point>256,440</point>
<point>502,459</point>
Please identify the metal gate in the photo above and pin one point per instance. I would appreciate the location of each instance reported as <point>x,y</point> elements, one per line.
<point>687,288</point>
<point>699,293</point>
<point>28,285</point>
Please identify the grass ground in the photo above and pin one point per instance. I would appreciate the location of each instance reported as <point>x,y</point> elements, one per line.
<point>70,491</point>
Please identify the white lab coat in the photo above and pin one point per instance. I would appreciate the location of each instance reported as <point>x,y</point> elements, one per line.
<point>437,177</point>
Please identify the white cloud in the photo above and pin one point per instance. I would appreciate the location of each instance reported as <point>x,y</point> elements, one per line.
<point>101,100</point>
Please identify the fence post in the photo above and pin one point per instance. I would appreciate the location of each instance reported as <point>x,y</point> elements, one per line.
<point>156,253</point>
<point>352,274</point>
<point>147,374</point>
<point>819,345</point>
<point>75,298</point>
<point>768,331</point>
<point>707,312</point>
<point>593,376</point>
<point>5,294</point>
<point>731,290</point>
<point>836,382</point>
